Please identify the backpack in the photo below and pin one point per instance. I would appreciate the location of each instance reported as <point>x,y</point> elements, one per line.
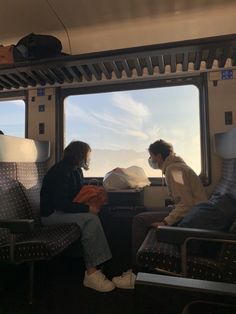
<point>34,46</point>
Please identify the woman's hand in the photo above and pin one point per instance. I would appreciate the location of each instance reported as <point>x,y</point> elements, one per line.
<point>94,210</point>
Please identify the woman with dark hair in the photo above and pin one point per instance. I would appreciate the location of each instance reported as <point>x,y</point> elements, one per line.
<point>60,186</point>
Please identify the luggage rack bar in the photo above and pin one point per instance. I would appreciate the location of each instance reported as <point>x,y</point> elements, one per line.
<point>155,61</point>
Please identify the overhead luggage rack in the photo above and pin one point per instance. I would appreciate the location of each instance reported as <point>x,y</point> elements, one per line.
<point>156,61</point>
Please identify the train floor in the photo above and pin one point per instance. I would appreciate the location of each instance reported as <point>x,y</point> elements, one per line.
<point>58,289</point>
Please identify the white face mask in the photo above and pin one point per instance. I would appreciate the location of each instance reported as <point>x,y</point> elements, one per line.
<point>153,164</point>
<point>84,164</point>
<point>88,162</point>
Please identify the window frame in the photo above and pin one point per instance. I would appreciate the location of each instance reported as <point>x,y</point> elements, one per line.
<point>18,95</point>
<point>200,81</point>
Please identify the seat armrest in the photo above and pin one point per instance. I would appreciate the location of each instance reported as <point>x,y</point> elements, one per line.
<point>186,284</point>
<point>177,235</point>
<point>169,294</point>
<point>17,225</point>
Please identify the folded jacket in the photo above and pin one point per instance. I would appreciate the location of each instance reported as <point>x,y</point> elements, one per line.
<point>91,195</point>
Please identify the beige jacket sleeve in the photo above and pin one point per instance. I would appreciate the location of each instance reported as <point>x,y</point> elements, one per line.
<point>181,183</point>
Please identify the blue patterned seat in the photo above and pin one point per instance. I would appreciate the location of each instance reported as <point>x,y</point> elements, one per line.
<point>20,184</point>
<point>166,257</point>
<point>18,202</point>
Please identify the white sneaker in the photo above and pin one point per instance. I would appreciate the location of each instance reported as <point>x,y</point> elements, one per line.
<point>98,282</point>
<point>125,281</point>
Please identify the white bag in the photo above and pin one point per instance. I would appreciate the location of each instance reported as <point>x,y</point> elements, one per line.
<point>129,178</point>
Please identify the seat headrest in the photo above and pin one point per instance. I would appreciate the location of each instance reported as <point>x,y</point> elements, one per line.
<point>15,149</point>
<point>225,144</point>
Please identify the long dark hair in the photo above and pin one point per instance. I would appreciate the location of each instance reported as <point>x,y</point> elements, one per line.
<point>76,153</point>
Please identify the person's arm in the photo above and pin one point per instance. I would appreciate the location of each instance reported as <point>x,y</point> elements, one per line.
<point>180,189</point>
<point>67,188</point>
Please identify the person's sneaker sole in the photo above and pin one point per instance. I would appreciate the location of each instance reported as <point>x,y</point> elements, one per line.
<point>122,287</point>
<point>99,290</point>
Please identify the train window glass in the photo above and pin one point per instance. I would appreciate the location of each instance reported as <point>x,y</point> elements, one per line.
<point>119,126</point>
<point>12,117</point>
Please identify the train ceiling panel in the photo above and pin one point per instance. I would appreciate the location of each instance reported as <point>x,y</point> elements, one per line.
<point>86,26</point>
<point>148,62</point>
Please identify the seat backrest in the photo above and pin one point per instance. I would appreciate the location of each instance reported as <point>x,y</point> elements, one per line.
<point>228,259</point>
<point>225,144</point>
<point>23,163</point>
<point>227,183</point>
<point>14,205</point>
<point>30,175</point>
<point>225,147</point>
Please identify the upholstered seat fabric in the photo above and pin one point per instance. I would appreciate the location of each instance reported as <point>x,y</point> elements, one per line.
<point>20,185</point>
<point>42,243</point>
<point>159,255</point>
<point>14,205</point>
<point>30,175</point>
<point>166,256</point>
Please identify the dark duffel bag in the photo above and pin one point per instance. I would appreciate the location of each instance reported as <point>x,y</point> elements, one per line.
<point>129,197</point>
<point>34,46</point>
<point>117,225</point>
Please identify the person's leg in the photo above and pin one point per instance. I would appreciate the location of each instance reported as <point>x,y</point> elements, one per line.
<point>141,225</point>
<point>95,247</point>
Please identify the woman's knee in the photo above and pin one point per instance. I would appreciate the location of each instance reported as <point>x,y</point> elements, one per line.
<point>92,229</point>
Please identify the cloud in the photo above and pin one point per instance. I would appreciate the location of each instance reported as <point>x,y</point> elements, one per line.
<point>153,133</point>
<point>115,130</point>
<point>107,118</point>
<point>137,133</point>
<point>127,103</point>
<point>128,118</point>
<point>76,112</point>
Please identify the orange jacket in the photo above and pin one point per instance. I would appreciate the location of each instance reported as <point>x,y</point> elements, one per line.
<point>91,195</point>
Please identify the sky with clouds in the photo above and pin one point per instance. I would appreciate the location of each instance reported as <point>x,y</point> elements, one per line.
<point>119,126</point>
<point>12,117</point>
<point>131,120</point>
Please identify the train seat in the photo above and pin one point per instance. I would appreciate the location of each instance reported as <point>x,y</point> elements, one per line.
<point>22,237</point>
<point>166,249</point>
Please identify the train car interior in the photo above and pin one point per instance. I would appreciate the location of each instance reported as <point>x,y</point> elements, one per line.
<point>138,86</point>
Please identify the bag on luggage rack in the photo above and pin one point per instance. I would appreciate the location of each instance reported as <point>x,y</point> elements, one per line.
<point>34,46</point>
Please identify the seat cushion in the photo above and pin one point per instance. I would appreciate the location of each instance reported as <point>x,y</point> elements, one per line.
<point>43,243</point>
<point>159,255</point>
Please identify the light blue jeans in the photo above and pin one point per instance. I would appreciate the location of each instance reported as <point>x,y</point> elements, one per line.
<point>95,247</point>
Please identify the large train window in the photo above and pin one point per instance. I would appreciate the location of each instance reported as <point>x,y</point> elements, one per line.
<point>120,125</point>
<point>12,117</point>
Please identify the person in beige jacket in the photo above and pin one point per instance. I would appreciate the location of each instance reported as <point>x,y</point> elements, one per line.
<point>184,186</point>
<point>185,190</point>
